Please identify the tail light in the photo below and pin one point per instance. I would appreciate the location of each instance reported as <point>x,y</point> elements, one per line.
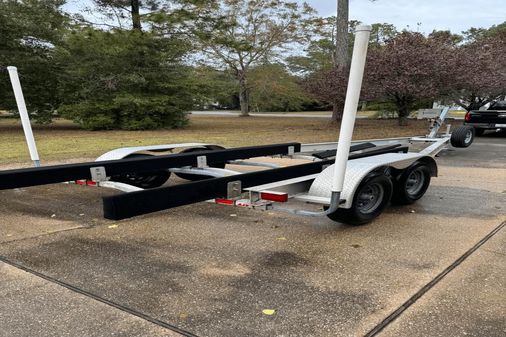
<point>86,182</point>
<point>468,116</point>
<point>224,201</point>
<point>274,196</point>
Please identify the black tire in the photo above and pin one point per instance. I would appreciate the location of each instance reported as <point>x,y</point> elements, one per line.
<point>479,132</point>
<point>411,184</point>
<point>370,200</point>
<point>197,177</point>
<point>144,180</point>
<point>462,136</point>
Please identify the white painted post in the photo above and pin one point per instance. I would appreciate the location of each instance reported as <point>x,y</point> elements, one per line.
<point>351,105</point>
<point>23,113</point>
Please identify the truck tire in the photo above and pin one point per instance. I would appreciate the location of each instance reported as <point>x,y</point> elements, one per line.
<point>145,180</point>
<point>370,200</point>
<point>462,136</point>
<point>411,184</point>
<point>479,132</point>
<point>197,177</point>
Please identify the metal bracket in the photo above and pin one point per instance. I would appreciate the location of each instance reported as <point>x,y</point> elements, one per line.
<point>291,150</point>
<point>98,173</point>
<point>234,189</point>
<point>201,161</point>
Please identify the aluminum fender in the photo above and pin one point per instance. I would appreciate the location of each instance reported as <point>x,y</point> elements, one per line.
<point>356,170</point>
<point>126,151</point>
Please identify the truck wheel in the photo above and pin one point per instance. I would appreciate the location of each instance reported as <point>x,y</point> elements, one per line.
<point>462,136</point>
<point>479,132</point>
<point>411,184</point>
<point>196,177</point>
<point>144,180</point>
<point>370,199</point>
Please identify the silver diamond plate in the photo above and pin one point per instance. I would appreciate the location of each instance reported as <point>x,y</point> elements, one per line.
<point>356,170</point>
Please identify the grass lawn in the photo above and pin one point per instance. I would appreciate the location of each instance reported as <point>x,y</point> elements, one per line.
<point>63,140</point>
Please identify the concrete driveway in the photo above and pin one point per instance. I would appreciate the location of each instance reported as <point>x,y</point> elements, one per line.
<point>436,268</point>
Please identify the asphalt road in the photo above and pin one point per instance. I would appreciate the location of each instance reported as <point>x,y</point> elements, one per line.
<point>209,270</point>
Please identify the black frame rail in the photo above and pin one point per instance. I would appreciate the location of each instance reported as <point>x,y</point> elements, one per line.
<point>18,178</point>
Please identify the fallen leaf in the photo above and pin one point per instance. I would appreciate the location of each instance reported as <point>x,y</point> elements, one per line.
<point>269,312</point>
<point>281,239</point>
<point>112,226</point>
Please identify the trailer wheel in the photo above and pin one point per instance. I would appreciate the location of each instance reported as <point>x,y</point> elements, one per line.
<point>144,180</point>
<point>197,177</point>
<point>411,184</point>
<point>370,199</point>
<point>462,136</point>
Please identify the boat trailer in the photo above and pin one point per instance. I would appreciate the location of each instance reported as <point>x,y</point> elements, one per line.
<point>348,181</point>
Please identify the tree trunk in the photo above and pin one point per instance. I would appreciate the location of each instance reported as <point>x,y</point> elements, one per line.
<point>342,33</point>
<point>403,120</point>
<point>136,16</point>
<point>243,94</point>
<point>337,111</point>
<point>403,110</point>
<point>341,50</point>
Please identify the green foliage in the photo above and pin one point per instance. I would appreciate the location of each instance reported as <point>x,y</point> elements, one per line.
<point>124,79</point>
<point>319,56</point>
<point>214,88</point>
<point>29,31</point>
<point>274,89</point>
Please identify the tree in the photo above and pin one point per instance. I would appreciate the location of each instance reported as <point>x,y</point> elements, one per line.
<point>320,52</point>
<point>479,68</point>
<point>381,33</point>
<point>124,79</point>
<point>121,11</point>
<point>275,89</point>
<point>253,32</point>
<point>406,69</point>
<point>214,88</point>
<point>342,56</point>
<point>328,85</point>
<point>30,30</point>
<point>324,81</point>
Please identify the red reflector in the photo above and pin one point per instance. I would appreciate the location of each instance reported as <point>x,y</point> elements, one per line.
<point>224,201</point>
<point>274,196</point>
<point>468,116</point>
<point>86,182</point>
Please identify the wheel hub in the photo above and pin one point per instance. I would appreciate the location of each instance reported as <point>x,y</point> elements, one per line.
<point>369,198</point>
<point>415,182</point>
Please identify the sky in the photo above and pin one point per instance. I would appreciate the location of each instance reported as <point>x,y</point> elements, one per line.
<point>454,15</point>
<point>421,15</point>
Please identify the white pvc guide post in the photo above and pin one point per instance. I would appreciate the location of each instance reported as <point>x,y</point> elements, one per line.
<point>351,105</point>
<point>23,113</point>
